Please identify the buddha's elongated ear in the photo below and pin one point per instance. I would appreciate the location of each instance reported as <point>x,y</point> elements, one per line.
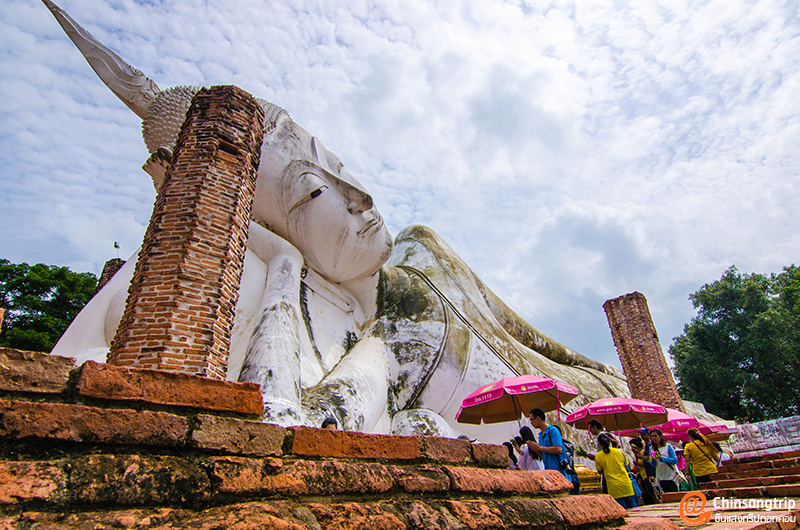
<point>130,85</point>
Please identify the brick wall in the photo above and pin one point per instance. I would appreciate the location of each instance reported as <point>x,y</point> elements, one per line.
<point>103,446</point>
<point>636,339</point>
<point>180,308</point>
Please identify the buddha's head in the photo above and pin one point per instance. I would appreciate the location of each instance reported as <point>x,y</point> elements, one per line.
<point>304,194</point>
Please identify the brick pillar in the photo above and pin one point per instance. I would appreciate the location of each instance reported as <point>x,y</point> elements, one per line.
<point>109,270</point>
<point>179,313</point>
<point>643,361</point>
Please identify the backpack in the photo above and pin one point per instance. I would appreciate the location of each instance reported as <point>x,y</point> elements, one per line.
<point>568,464</point>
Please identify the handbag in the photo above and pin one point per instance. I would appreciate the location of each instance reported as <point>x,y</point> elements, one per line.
<point>680,476</point>
<point>637,491</point>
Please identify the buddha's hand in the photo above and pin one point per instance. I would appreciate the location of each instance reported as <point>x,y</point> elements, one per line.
<point>269,245</point>
<point>283,260</point>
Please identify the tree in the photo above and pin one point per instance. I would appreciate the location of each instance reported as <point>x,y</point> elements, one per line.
<point>40,302</point>
<point>740,355</point>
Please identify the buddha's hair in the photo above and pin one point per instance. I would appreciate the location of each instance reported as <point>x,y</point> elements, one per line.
<point>161,126</point>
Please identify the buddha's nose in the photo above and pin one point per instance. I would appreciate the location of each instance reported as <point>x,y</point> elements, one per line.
<point>359,202</point>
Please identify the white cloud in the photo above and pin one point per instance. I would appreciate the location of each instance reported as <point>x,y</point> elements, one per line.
<point>571,152</point>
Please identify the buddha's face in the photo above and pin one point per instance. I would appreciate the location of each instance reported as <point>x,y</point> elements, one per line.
<point>304,193</point>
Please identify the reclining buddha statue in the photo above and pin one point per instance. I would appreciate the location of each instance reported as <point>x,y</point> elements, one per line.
<point>334,317</point>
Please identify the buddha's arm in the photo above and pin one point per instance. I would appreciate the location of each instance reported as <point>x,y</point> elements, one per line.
<point>273,354</point>
<point>534,339</point>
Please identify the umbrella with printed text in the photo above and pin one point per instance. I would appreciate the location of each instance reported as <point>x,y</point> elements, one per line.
<point>677,422</point>
<point>713,431</point>
<point>619,414</point>
<point>511,397</point>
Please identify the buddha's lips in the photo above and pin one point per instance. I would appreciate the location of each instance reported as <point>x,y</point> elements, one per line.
<point>376,223</point>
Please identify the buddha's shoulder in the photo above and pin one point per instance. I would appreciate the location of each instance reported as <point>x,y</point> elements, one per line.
<point>421,248</point>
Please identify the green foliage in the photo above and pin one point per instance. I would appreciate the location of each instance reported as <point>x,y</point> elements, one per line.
<point>40,302</point>
<point>740,355</point>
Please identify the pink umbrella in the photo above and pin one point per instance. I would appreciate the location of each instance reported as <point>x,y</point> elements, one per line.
<point>507,399</point>
<point>619,414</point>
<point>706,428</point>
<point>677,421</point>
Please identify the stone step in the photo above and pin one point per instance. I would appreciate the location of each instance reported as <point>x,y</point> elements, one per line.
<point>766,472</point>
<point>751,482</point>
<point>773,456</point>
<point>761,464</point>
<point>781,490</point>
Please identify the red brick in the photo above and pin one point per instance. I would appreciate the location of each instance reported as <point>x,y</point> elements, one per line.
<point>490,455</point>
<point>238,436</point>
<point>781,479</point>
<point>589,509</point>
<point>8,523</point>
<point>164,388</point>
<point>375,516</point>
<point>28,481</point>
<point>785,462</point>
<point>735,483</point>
<point>746,493</point>
<point>421,516</point>
<point>251,475</point>
<point>26,371</point>
<point>475,514</point>
<point>470,479</point>
<point>309,441</point>
<point>277,515</point>
<point>530,513</point>
<point>135,479</point>
<point>788,490</point>
<point>551,481</point>
<point>649,523</point>
<point>785,471</point>
<point>735,468</point>
<point>421,479</point>
<point>446,449</point>
<point>78,423</point>
<point>303,477</point>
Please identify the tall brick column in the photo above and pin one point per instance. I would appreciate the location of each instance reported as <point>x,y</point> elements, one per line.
<point>649,377</point>
<point>179,313</point>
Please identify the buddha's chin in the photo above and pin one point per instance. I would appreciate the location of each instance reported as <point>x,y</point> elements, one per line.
<point>366,262</point>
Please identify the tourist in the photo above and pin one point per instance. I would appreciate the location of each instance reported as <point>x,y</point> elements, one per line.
<point>648,492</point>
<point>529,459</point>
<point>723,455</point>
<point>701,454</point>
<point>666,461</point>
<point>330,424</point>
<point>613,465</point>
<point>596,429</point>
<point>550,443</point>
<point>649,464</point>
<point>568,464</point>
<point>512,458</point>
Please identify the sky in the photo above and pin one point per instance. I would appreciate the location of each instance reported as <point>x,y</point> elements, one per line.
<point>570,152</point>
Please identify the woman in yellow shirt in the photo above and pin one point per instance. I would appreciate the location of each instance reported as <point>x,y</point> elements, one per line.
<point>701,454</point>
<point>611,462</point>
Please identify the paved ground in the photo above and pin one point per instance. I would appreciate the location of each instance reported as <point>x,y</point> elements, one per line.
<point>725,518</point>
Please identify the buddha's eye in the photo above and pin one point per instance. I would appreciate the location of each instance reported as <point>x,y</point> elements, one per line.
<point>308,186</point>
